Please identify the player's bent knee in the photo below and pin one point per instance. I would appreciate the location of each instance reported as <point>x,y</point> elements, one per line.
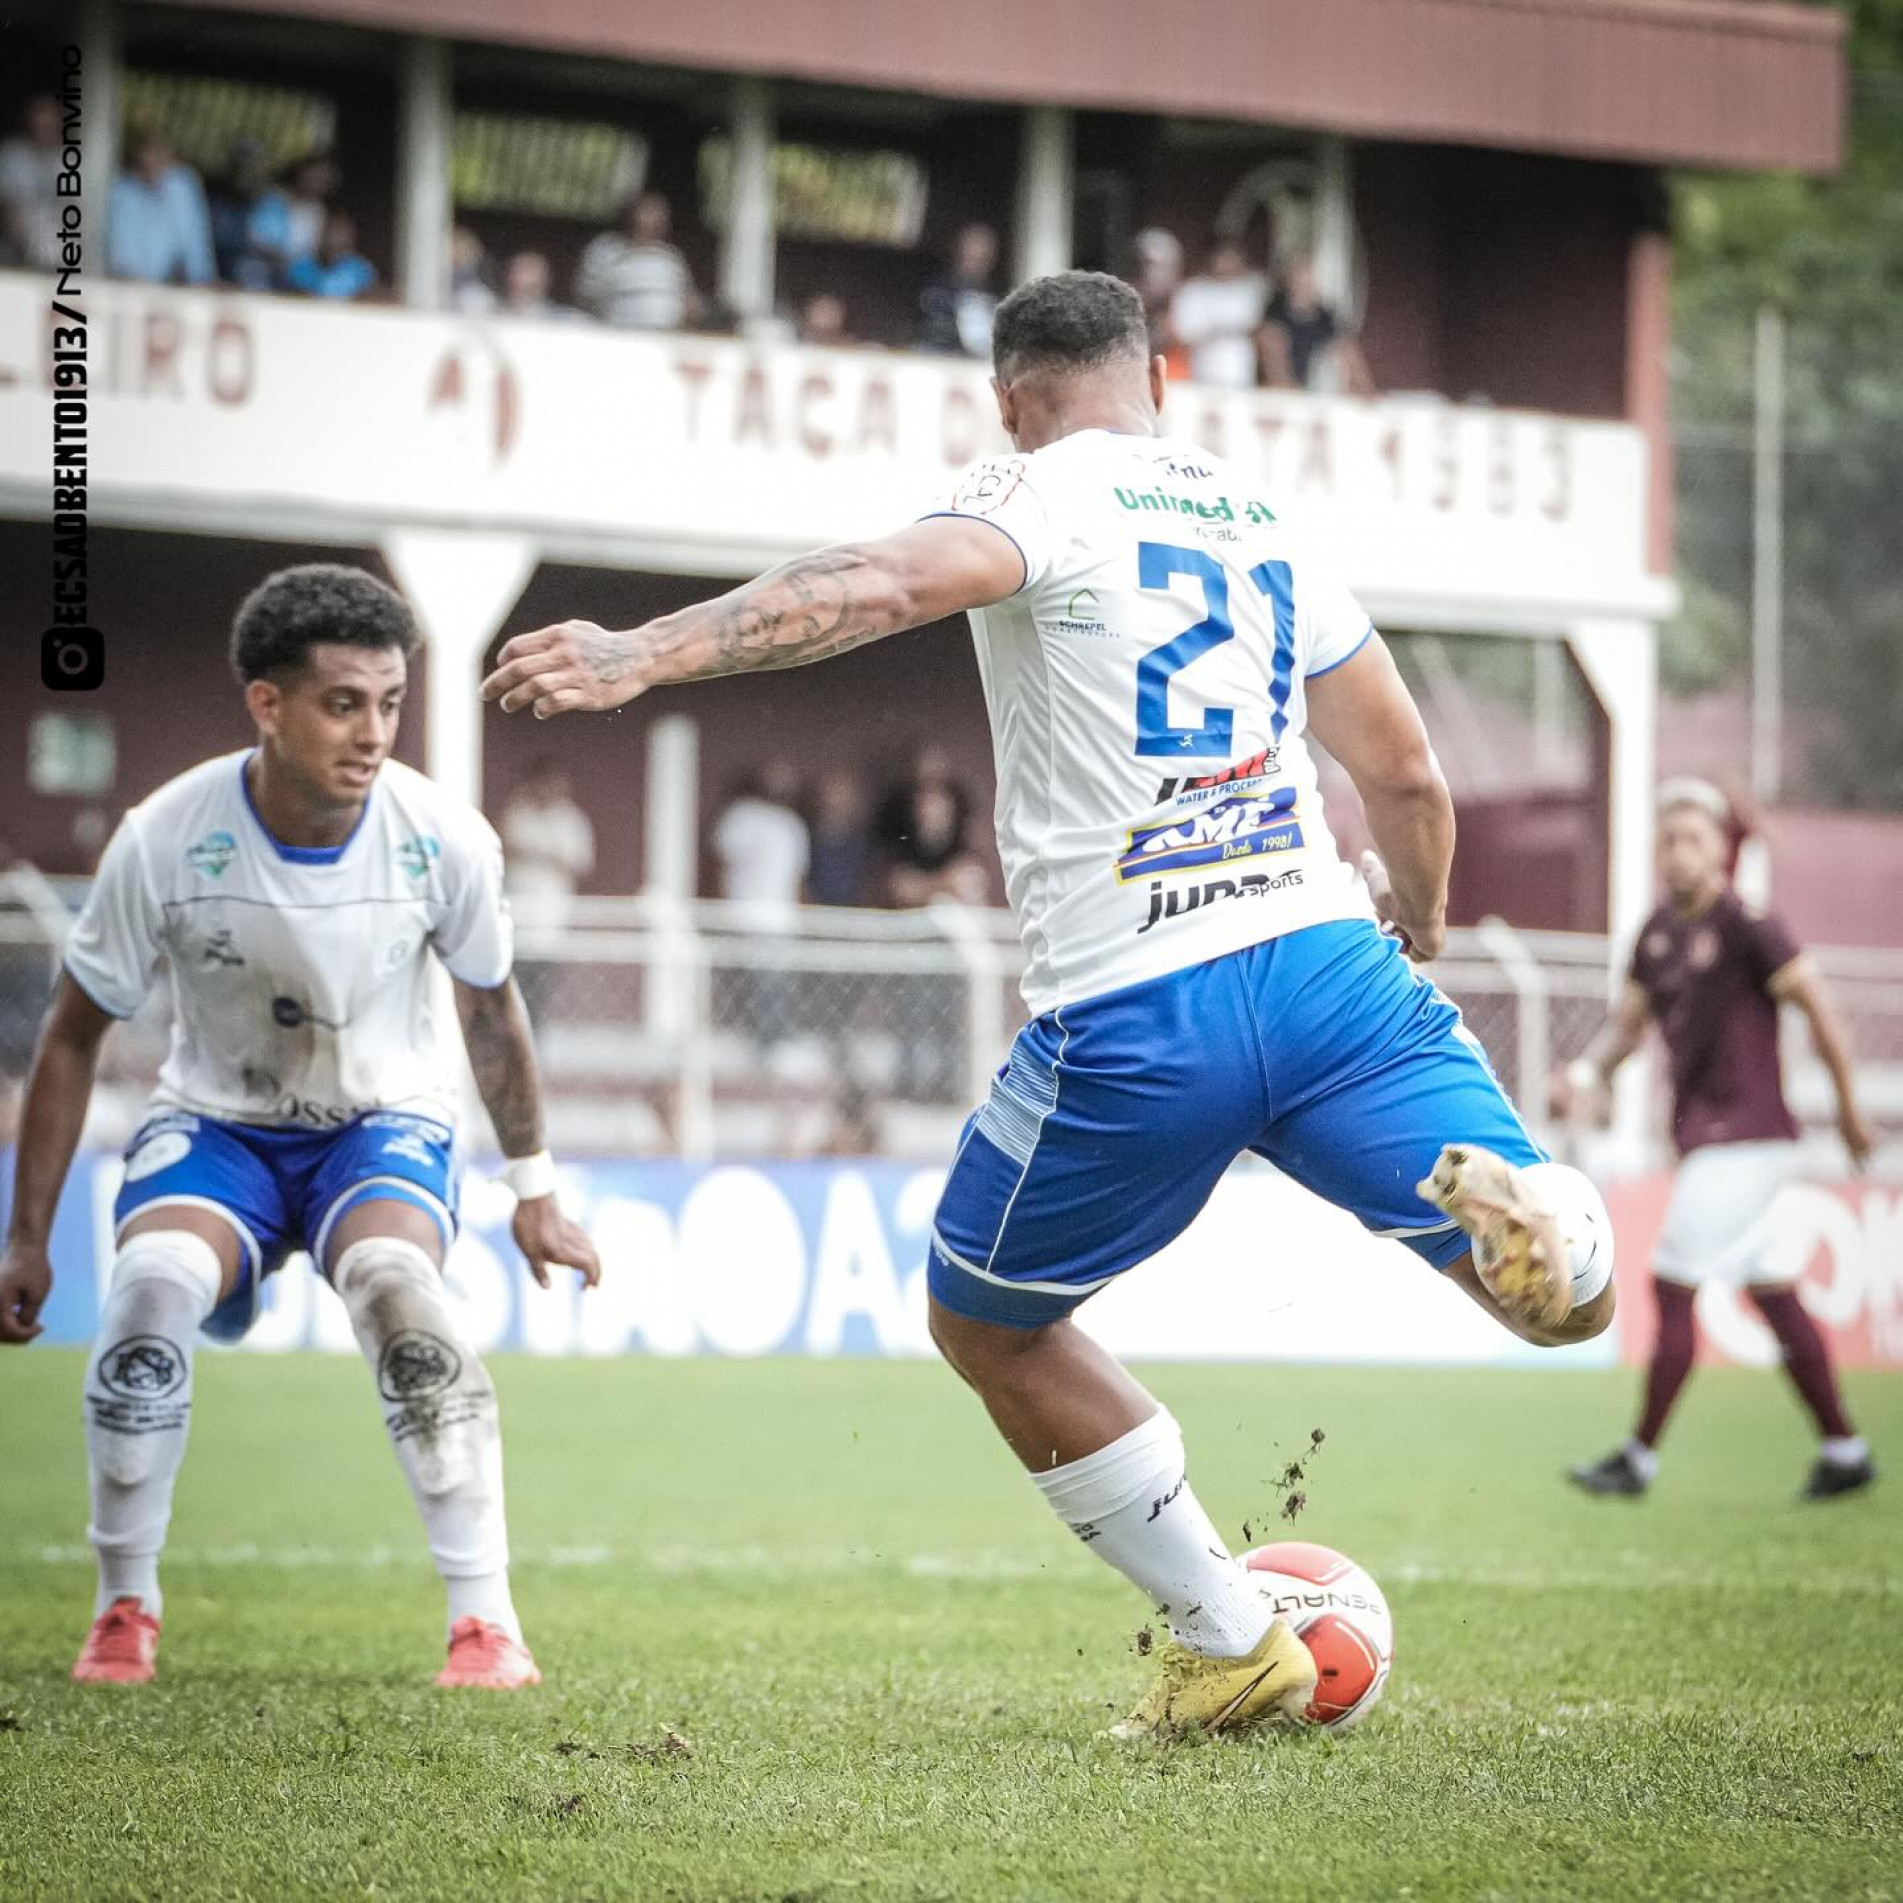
<point>1585,1230</point>
<point>164,1284</point>
<point>980,1351</point>
<point>439,1402</point>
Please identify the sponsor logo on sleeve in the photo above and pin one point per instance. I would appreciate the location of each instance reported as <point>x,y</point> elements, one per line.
<point>418,853</point>
<point>988,486</point>
<point>212,854</point>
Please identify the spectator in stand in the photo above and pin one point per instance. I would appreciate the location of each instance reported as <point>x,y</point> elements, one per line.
<point>822,320</point>
<point>157,227</point>
<point>525,282</point>
<point>233,201</point>
<point>1218,318</point>
<point>287,223</point>
<point>1159,276</point>
<point>924,829</point>
<point>841,869</point>
<point>957,307</point>
<point>339,269</point>
<point>1305,345</point>
<point>634,278</point>
<point>470,291</point>
<point>548,846</point>
<point>29,201</point>
<point>764,853</point>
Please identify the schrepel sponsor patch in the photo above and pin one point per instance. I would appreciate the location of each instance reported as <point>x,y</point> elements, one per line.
<point>1233,829</point>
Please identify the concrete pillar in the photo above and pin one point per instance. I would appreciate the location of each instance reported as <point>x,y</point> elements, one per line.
<point>101,62</point>
<point>424,208</point>
<point>1620,662</point>
<point>1047,191</point>
<point>462,585</point>
<point>1335,224</point>
<point>747,250</point>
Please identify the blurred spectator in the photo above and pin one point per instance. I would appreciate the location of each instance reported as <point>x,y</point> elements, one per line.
<point>548,846</point>
<point>854,1129</point>
<point>157,227</point>
<point>29,205</point>
<point>1218,316</point>
<point>822,320</point>
<point>287,222</point>
<point>469,288</point>
<point>634,278</point>
<point>233,201</point>
<point>1305,346</point>
<point>924,829</point>
<point>762,844</point>
<point>338,269</point>
<point>1159,276</point>
<point>957,307</point>
<point>764,852</point>
<point>841,870</point>
<point>525,282</point>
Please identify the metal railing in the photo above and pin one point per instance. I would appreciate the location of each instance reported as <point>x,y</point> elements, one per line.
<point>707,1028</point>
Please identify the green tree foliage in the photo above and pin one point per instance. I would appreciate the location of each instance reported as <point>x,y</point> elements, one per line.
<point>1829,254</point>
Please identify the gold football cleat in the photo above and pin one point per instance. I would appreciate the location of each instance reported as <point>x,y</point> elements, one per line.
<point>1192,1692</point>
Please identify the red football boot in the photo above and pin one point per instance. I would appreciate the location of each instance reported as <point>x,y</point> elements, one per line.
<point>485,1657</point>
<point>121,1649</point>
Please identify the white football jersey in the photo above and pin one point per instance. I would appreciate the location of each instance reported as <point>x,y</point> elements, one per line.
<point>301,988</point>
<point>1157,805</point>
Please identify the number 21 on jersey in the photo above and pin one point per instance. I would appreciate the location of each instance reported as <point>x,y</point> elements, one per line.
<point>1157,563</point>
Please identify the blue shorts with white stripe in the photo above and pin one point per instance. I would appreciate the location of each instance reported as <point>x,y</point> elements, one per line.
<point>1324,1051</point>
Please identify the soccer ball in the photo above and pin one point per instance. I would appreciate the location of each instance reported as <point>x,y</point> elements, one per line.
<point>1339,1612</point>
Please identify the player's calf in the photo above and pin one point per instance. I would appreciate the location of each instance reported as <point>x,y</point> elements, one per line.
<point>1542,1241</point>
<point>138,1400</point>
<point>439,1407</point>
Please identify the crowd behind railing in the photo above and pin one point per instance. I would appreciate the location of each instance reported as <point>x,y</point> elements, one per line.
<point>292,229</point>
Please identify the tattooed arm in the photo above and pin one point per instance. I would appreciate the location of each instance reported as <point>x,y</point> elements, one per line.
<point>502,1054</point>
<point>806,610</point>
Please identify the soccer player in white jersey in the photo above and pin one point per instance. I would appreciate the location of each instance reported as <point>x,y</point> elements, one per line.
<point>297,893</point>
<point>1205,975</point>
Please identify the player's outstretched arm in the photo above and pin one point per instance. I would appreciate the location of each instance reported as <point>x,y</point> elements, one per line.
<point>51,1117</point>
<point>501,1051</point>
<point>1799,983</point>
<point>1579,1090</point>
<point>1363,714</point>
<point>805,610</point>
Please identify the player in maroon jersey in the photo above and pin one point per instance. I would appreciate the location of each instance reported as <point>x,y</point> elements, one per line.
<point>1711,975</point>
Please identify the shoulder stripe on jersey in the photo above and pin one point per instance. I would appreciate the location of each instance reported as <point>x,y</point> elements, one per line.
<point>958,515</point>
<point>1345,659</point>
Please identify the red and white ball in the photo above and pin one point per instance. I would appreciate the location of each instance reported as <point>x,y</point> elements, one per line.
<point>1340,1614</point>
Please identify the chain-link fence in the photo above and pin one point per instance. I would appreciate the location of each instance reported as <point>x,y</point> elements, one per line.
<point>712,1029</point>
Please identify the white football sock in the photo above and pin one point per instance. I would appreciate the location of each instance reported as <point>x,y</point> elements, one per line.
<point>1847,1451</point>
<point>439,1406</point>
<point>1644,1460</point>
<point>138,1399</point>
<point>1130,1503</point>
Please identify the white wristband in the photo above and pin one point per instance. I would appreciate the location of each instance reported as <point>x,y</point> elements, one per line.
<point>530,1176</point>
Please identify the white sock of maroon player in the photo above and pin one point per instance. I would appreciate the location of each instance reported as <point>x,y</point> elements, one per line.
<point>440,1410</point>
<point>1130,1503</point>
<point>139,1404</point>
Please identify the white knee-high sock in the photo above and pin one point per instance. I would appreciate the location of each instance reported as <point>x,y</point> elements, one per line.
<point>439,1406</point>
<point>138,1400</point>
<point>1130,1503</point>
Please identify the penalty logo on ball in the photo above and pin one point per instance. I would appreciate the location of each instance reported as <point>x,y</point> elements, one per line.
<point>1341,1615</point>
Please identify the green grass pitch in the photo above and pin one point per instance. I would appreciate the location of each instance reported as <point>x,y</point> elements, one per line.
<point>889,1666</point>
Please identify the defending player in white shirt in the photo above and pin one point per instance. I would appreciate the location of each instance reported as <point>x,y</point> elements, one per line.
<point>1205,975</point>
<point>296,893</point>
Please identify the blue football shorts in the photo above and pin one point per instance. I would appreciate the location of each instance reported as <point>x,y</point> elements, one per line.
<point>1324,1051</point>
<point>284,1190</point>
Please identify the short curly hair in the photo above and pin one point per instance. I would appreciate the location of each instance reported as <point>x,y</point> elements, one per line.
<point>288,613</point>
<point>1071,320</point>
